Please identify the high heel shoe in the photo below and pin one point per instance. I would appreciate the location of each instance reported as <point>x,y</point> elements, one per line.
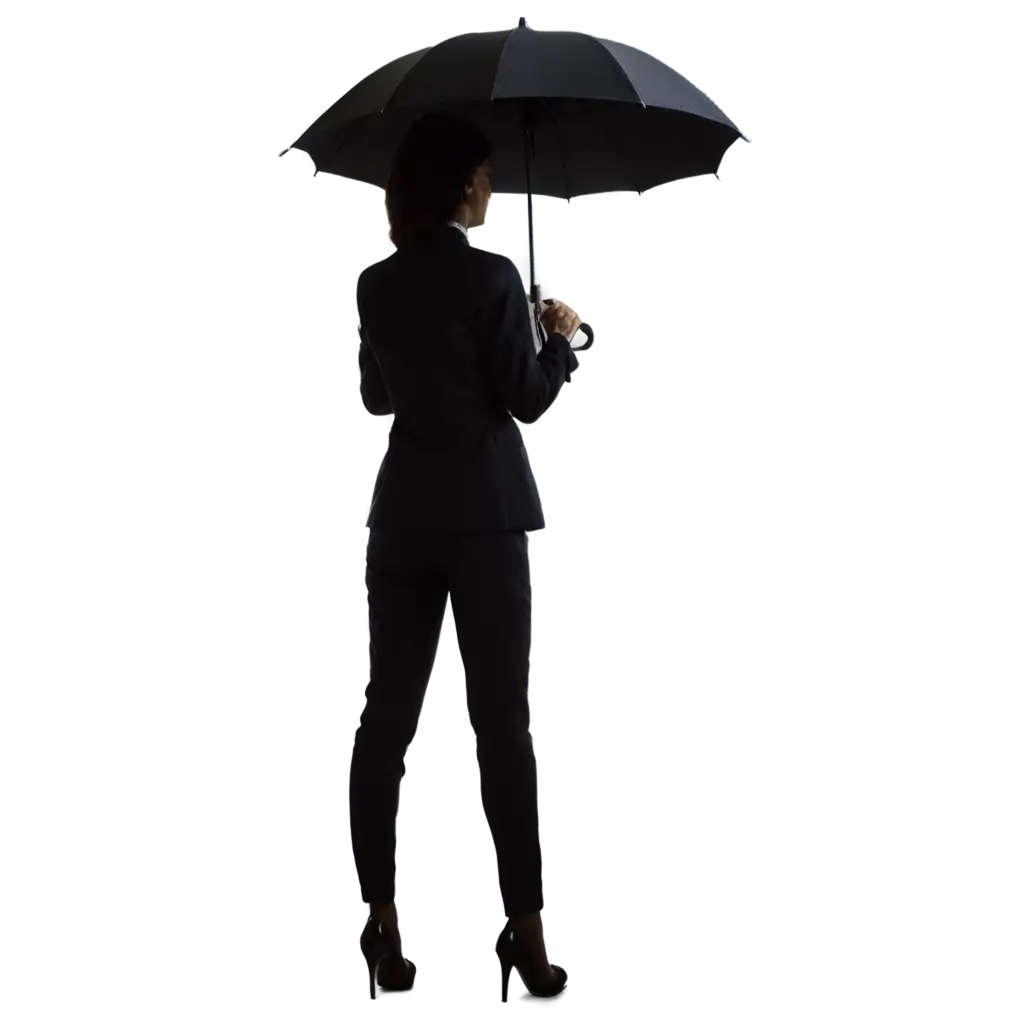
<point>513,953</point>
<point>390,970</point>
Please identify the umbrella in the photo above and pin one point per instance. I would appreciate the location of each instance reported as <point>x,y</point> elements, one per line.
<point>568,114</point>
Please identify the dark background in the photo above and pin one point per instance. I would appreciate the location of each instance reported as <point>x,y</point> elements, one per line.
<point>187,634</point>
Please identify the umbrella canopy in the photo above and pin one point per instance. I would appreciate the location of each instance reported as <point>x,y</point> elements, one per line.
<point>569,114</point>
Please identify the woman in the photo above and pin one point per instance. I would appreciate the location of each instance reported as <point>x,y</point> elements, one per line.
<point>447,346</point>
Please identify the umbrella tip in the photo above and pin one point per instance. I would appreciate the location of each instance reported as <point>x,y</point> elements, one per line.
<point>522,23</point>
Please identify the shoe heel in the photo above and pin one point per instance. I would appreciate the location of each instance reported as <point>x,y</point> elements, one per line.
<point>511,953</point>
<point>377,944</point>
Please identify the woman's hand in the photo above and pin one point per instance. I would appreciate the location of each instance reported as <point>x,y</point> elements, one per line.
<point>558,318</point>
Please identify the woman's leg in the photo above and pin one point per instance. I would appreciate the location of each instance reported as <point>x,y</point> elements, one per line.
<point>489,579</point>
<point>407,601</point>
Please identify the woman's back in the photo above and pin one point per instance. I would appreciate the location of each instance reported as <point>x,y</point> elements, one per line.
<point>428,342</point>
<point>448,348</point>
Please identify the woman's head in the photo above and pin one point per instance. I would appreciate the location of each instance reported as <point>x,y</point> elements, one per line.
<point>441,172</point>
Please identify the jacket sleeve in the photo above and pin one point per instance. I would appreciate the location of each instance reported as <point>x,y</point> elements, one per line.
<point>527,381</point>
<point>371,384</point>
<point>372,388</point>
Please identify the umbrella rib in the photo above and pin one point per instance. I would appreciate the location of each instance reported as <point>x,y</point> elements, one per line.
<point>623,73</point>
<point>364,122</point>
<point>407,73</point>
<point>361,126</point>
<point>497,65</point>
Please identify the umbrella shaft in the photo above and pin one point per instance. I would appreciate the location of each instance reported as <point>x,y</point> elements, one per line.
<point>528,139</point>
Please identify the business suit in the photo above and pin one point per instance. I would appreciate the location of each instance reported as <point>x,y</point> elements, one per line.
<point>447,345</point>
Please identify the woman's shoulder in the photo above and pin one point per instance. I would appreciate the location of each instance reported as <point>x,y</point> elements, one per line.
<point>371,271</point>
<point>495,266</point>
<point>488,271</point>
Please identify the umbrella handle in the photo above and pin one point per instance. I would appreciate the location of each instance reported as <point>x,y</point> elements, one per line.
<point>589,332</point>
<point>588,329</point>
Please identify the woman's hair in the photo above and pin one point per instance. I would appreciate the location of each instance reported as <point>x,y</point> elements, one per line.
<point>436,159</point>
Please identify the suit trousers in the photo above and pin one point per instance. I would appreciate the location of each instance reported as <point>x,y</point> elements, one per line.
<point>409,575</point>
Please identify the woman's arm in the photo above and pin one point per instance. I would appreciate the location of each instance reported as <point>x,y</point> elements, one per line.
<point>527,381</point>
<point>371,382</point>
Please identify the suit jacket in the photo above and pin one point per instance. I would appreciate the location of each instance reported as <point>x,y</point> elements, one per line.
<point>447,345</point>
